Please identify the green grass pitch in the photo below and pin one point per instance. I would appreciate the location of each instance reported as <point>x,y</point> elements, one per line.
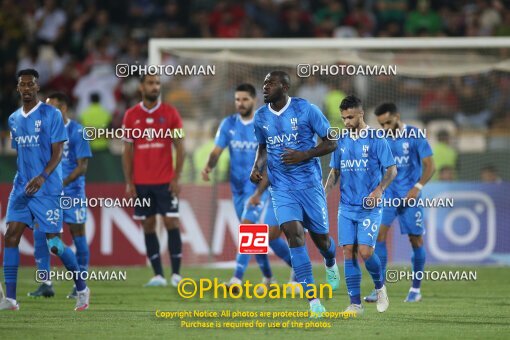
<point>126,310</point>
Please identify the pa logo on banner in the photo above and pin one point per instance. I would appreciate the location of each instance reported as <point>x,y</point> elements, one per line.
<point>253,239</point>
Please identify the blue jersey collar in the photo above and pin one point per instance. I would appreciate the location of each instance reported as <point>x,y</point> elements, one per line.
<point>29,112</point>
<point>283,108</point>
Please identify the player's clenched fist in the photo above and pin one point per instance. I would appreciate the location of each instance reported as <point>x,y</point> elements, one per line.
<point>255,175</point>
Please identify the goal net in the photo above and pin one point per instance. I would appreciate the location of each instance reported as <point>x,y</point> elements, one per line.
<point>456,89</point>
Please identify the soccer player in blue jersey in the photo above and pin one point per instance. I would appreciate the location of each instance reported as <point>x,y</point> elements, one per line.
<point>365,167</point>
<point>285,130</point>
<point>74,166</point>
<point>413,157</point>
<point>38,135</point>
<point>237,133</point>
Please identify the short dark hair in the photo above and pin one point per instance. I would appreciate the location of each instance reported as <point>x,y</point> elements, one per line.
<point>143,76</point>
<point>245,87</point>
<point>61,97</point>
<point>386,107</point>
<point>350,102</point>
<point>28,72</point>
<point>95,97</point>
<point>284,77</point>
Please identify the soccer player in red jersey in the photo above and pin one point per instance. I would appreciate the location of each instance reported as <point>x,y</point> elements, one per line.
<point>150,174</point>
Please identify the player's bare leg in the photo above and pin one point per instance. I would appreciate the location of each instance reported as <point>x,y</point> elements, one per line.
<point>172,225</point>
<point>82,250</point>
<point>326,246</point>
<point>152,245</point>
<point>418,261</point>
<point>301,264</point>
<point>382,252</point>
<point>11,263</point>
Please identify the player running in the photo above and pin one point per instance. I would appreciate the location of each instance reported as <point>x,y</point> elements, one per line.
<point>365,167</point>
<point>149,173</point>
<point>413,157</point>
<point>285,129</point>
<point>74,166</point>
<point>237,133</point>
<point>38,135</point>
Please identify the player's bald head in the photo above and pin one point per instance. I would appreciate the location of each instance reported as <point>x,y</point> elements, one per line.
<point>283,77</point>
<point>276,86</point>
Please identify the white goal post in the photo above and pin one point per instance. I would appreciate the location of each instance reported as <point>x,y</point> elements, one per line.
<point>325,50</point>
<point>418,60</point>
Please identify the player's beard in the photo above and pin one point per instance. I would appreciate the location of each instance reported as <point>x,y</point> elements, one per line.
<point>152,97</point>
<point>247,112</point>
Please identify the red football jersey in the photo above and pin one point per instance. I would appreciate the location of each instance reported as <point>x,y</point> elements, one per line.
<point>152,157</point>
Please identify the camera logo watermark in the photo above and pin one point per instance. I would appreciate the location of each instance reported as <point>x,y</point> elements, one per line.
<point>308,70</point>
<point>189,288</point>
<point>399,202</point>
<point>336,133</point>
<point>253,239</point>
<point>127,70</point>
<point>67,202</point>
<point>393,276</point>
<point>466,232</point>
<point>149,134</point>
<point>101,275</point>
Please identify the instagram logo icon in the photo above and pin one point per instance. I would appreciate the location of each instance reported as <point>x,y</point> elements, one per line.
<point>466,232</point>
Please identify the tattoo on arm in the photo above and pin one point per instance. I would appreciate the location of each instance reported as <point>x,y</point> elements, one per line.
<point>388,177</point>
<point>333,177</point>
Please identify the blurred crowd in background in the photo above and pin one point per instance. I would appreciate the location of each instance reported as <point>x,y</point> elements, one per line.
<point>75,45</point>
